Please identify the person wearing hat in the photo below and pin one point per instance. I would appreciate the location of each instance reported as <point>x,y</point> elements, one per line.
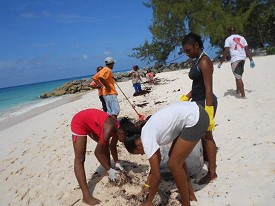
<point>238,48</point>
<point>136,79</point>
<point>106,78</point>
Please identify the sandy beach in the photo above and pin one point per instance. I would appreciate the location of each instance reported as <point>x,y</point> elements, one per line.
<point>36,153</point>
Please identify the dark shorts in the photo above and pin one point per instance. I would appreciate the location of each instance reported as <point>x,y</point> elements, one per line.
<point>197,132</point>
<point>238,68</point>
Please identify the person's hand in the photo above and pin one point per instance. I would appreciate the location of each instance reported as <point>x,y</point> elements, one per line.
<point>210,112</point>
<point>219,65</point>
<point>184,98</point>
<point>108,89</point>
<point>118,166</point>
<point>113,174</point>
<point>144,193</point>
<point>252,64</point>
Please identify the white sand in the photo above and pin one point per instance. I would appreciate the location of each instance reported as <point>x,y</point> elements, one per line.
<point>36,155</point>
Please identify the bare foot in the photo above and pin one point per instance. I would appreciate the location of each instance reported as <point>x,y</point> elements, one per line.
<point>207,178</point>
<point>91,201</point>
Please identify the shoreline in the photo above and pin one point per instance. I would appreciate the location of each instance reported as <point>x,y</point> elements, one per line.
<point>14,120</point>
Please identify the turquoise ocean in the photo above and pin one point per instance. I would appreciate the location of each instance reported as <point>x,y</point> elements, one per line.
<point>21,99</point>
<point>18,100</point>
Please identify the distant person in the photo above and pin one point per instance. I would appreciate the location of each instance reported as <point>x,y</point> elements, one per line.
<point>183,124</point>
<point>136,79</point>
<point>103,129</point>
<point>238,48</point>
<point>202,93</point>
<point>105,77</point>
<point>150,75</point>
<point>100,92</point>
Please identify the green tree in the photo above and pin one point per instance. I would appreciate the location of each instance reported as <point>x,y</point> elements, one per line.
<point>172,19</point>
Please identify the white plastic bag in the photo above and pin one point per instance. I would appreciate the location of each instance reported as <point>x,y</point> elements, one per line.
<point>194,161</point>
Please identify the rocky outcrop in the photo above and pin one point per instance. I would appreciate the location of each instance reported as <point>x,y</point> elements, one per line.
<point>73,87</point>
<point>78,86</point>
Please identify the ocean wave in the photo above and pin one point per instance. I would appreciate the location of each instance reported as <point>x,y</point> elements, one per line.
<point>19,110</point>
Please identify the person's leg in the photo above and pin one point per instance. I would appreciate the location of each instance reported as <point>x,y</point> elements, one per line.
<point>139,87</point>
<point>135,87</point>
<point>181,150</point>
<point>114,106</point>
<point>210,148</point>
<point>104,107</point>
<point>80,152</point>
<point>240,86</point>
<point>238,69</point>
<point>107,100</point>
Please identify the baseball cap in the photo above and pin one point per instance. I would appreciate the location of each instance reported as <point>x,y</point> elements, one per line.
<point>110,60</point>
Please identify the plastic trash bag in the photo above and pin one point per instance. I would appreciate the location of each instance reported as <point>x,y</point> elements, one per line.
<point>194,161</point>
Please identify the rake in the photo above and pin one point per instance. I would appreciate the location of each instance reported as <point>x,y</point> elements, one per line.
<point>140,116</point>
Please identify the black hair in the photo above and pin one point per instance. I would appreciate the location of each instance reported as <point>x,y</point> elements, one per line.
<point>129,127</point>
<point>130,142</point>
<point>99,68</point>
<point>192,39</point>
<point>132,133</point>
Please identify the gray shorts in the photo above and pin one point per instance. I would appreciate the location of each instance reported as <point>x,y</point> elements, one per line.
<point>197,132</point>
<point>112,104</point>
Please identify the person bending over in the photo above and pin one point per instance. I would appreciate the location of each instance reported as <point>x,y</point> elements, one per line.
<point>105,131</point>
<point>183,124</point>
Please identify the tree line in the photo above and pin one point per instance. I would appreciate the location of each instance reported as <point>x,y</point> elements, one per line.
<point>173,19</point>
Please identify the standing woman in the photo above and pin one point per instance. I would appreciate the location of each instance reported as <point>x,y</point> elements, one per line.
<point>202,93</point>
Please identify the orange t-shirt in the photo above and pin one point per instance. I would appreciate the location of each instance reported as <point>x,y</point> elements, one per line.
<point>107,74</point>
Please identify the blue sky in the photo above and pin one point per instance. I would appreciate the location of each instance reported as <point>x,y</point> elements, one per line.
<point>56,39</point>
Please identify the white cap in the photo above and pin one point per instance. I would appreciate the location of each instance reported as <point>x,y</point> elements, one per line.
<point>110,60</point>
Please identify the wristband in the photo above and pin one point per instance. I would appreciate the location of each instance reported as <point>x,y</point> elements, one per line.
<point>146,185</point>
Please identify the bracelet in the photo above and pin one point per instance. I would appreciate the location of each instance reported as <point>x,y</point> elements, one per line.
<point>146,185</point>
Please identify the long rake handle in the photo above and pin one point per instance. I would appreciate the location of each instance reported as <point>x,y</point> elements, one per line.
<point>127,98</point>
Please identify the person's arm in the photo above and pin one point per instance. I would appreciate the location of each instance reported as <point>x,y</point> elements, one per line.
<point>103,81</point>
<point>207,70</point>
<point>102,151</point>
<point>100,77</point>
<point>224,55</point>
<point>154,177</point>
<point>113,148</point>
<point>206,67</point>
<point>248,54</point>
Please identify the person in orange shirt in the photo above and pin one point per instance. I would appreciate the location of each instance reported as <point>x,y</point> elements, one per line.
<point>105,77</point>
<point>100,92</point>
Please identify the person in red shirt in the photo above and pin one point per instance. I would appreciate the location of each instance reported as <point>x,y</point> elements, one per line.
<point>106,131</point>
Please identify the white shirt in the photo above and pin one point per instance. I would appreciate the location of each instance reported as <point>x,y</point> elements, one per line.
<point>236,44</point>
<point>166,125</point>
